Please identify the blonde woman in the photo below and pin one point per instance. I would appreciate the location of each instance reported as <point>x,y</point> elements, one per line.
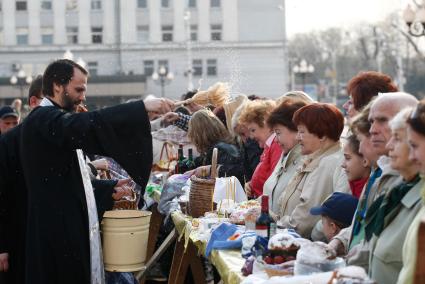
<point>207,132</point>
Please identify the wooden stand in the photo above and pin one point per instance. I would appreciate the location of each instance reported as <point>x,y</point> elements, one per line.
<point>181,262</point>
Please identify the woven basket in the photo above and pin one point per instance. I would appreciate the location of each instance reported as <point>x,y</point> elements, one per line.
<point>202,191</point>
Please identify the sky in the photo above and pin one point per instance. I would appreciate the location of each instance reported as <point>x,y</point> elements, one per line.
<point>307,15</point>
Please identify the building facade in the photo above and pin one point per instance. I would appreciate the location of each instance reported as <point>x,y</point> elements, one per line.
<point>124,42</point>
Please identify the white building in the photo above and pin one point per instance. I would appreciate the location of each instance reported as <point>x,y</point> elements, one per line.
<point>124,41</point>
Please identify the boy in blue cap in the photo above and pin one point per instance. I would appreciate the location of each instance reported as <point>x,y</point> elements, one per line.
<point>337,212</point>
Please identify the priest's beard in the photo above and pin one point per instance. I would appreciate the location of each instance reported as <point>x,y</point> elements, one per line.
<point>68,103</point>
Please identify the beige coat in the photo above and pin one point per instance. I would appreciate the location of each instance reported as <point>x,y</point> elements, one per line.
<point>386,251</point>
<point>316,179</point>
<point>283,172</point>
<point>359,254</point>
<point>410,247</point>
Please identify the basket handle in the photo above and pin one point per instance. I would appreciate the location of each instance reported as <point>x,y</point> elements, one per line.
<point>214,163</point>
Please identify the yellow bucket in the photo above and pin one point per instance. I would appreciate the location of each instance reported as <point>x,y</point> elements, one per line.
<point>125,239</point>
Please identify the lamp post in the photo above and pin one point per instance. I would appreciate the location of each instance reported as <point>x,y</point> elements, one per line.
<point>189,71</point>
<point>415,20</point>
<point>162,77</point>
<point>303,69</point>
<point>21,80</point>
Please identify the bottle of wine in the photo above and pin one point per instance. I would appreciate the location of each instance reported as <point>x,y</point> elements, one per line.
<point>180,167</point>
<point>264,221</point>
<point>190,163</point>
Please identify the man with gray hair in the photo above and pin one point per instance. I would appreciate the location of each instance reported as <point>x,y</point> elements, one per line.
<point>382,177</point>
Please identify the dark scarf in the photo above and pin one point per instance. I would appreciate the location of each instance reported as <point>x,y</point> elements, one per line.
<point>386,208</point>
<point>362,205</point>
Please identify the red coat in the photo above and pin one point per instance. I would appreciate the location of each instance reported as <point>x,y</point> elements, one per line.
<point>264,169</point>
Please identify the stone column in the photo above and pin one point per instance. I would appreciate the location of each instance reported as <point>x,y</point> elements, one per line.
<point>59,36</point>
<point>108,21</point>
<point>84,26</point>
<point>154,21</point>
<point>229,10</point>
<point>9,26</point>
<point>204,28</point>
<point>34,37</point>
<point>179,29</point>
<point>128,21</point>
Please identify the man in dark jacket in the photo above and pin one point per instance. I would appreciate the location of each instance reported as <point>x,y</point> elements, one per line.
<point>62,230</point>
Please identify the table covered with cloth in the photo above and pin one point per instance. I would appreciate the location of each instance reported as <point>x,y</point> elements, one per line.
<point>227,262</point>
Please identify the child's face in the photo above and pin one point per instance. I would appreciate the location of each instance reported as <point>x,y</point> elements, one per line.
<point>355,166</point>
<point>330,229</point>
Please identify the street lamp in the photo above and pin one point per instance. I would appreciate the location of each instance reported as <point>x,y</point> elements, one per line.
<point>162,77</point>
<point>21,80</point>
<point>415,20</point>
<point>189,71</point>
<point>303,69</point>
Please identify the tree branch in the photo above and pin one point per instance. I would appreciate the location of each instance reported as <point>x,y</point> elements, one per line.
<point>411,41</point>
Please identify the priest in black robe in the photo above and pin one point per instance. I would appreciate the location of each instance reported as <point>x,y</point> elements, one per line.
<point>58,247</point>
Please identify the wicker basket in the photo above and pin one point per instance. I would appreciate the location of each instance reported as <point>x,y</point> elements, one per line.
<point>202,191</point>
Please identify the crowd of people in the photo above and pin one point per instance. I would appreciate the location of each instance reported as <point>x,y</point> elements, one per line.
<point>352,181</point>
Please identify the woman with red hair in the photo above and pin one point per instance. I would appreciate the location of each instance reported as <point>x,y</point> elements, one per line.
<point>363,87</point>
<point>319,129</point>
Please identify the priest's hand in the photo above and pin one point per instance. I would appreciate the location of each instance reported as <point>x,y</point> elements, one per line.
<point>159,105</point>
<point>4,262</point>
<point>122,188</point>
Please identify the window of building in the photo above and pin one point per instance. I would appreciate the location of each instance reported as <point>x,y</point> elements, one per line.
<point>22,39</point>
<point>215,3</point>
<point>71,4</point>
<point>142,33</point>
<point>167,33</point>
<point>96,4</point>
<point>193,32</point>
<point>72,35</point>
<point>46,5</point>
<point>47,39</point>
<point>142,3</point>
<point>148,67</point>
<point>21,5</point>
<point>215,32</point>
<point>96,34</point>
<point>212,67</point>
<point>164,63</point>
<point>197,67</point>
<point>165,3</point>
<point>92,68</point>
<point>191,3</point>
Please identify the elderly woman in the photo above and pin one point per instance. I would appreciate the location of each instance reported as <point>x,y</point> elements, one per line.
<point>319,128</point>
<point>363,87</point>
<point>207,132</point>
<point>416,138</point>
<point>389,217</point>
<point>280,120</point>
<point>254,116</point>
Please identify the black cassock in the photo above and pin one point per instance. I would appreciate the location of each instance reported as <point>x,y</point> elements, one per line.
<point>13,205</point>
<point>58,249</point>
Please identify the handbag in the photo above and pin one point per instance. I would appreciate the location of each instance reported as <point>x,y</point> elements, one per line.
<point>166,163</point>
